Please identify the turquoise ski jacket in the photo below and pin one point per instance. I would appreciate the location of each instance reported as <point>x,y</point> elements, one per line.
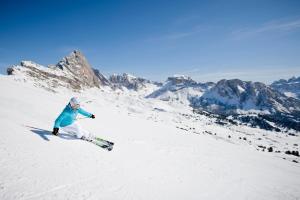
<point>68,116</point>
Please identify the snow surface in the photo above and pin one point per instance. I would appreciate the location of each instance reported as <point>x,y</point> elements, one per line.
<point>162,151</point>
<point>290,94</point>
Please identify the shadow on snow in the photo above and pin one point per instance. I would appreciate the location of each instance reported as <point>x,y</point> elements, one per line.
<point>44,134</point>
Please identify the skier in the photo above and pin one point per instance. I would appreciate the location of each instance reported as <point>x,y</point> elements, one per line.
<point>66,120</point>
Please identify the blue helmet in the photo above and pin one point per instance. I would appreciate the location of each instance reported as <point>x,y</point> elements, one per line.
<point>75,103</point>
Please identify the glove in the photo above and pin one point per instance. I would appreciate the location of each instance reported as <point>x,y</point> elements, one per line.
<point>55,131</point>
<point>93,116</point>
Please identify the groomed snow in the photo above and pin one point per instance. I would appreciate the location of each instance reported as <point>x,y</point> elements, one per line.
<point>152,159</point>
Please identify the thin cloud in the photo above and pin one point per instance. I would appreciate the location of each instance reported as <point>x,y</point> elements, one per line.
<point>272,26</point>
<point>267,75</point>
<point>184,26</point>
<point>180,35</point>
<point>177,35</point>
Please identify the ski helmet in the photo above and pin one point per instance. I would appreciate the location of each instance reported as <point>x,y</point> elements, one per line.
<point>75,103</point>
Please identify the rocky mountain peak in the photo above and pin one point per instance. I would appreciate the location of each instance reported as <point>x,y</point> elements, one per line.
<point>290,87</point>
<point>250,102</point>
<point>103,80</point>
<point>181,79</point>
<point>230,95</point>
<point>180,88</point>
<point>77,64</point>
<point>128,81</point>
<point>230,88</point>
<point>73,72</point>
<point>292,80</point>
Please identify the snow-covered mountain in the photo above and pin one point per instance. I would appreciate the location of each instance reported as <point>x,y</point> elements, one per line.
<point>73,72</point>
<point>180,88</point>
<point>251,103</point>
<point>130,82</point>
<point>77,64</point>
<point>290,87</point>
<point>236,97</point>
<point>232,95</point>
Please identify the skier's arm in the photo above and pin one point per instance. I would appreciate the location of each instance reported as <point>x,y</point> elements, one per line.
<point>59,119</point>
<point>85,113</point>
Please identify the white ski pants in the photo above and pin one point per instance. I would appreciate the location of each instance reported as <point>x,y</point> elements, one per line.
<point>76,129</point>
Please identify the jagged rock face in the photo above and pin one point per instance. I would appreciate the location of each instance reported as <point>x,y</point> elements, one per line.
<point>188,82</point>
<point>47,78</point>
<point>71,72</point>
<point>229,95</point>
<point>77,64</point>
<point>180,89</point>
<point>10,71</point>
<point>290,87</point>
<point>183,80</point>
<point>128,81</point>
<point>251,103</point>
<point>103,80</point>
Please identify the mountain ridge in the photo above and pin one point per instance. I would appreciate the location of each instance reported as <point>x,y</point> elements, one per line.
<point>226,97</point>
<point>290,87</point>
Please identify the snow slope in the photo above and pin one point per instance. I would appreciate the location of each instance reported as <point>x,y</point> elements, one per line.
<point>157,153</point>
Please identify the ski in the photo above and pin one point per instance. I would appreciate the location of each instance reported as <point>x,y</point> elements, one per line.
<point>106,146</point>
<point>101,143</point>
<point>104,143</point>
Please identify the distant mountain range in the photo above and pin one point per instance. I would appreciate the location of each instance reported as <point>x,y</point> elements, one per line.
<point>229,96</point>
<point>275,106</point>
<point>251,102</point>
<point>290,87</point>
<point>181,89</point>
<point>130,82</point>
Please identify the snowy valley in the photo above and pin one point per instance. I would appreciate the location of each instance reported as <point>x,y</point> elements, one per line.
<point>180,139</point>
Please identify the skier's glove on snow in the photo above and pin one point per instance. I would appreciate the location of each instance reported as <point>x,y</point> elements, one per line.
<point>93,116</point>
<point>55,131</point>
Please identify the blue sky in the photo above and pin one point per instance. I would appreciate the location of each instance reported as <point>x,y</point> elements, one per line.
<point>207,40</point>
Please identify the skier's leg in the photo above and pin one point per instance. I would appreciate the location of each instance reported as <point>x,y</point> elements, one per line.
<point>73,129</point>
<point>82,133</point>
<point>79,132</point>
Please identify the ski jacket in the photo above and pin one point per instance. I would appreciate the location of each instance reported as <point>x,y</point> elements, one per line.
<point>68,116</point>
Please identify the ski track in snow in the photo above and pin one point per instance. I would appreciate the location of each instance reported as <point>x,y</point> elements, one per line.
<point>162,151</point>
